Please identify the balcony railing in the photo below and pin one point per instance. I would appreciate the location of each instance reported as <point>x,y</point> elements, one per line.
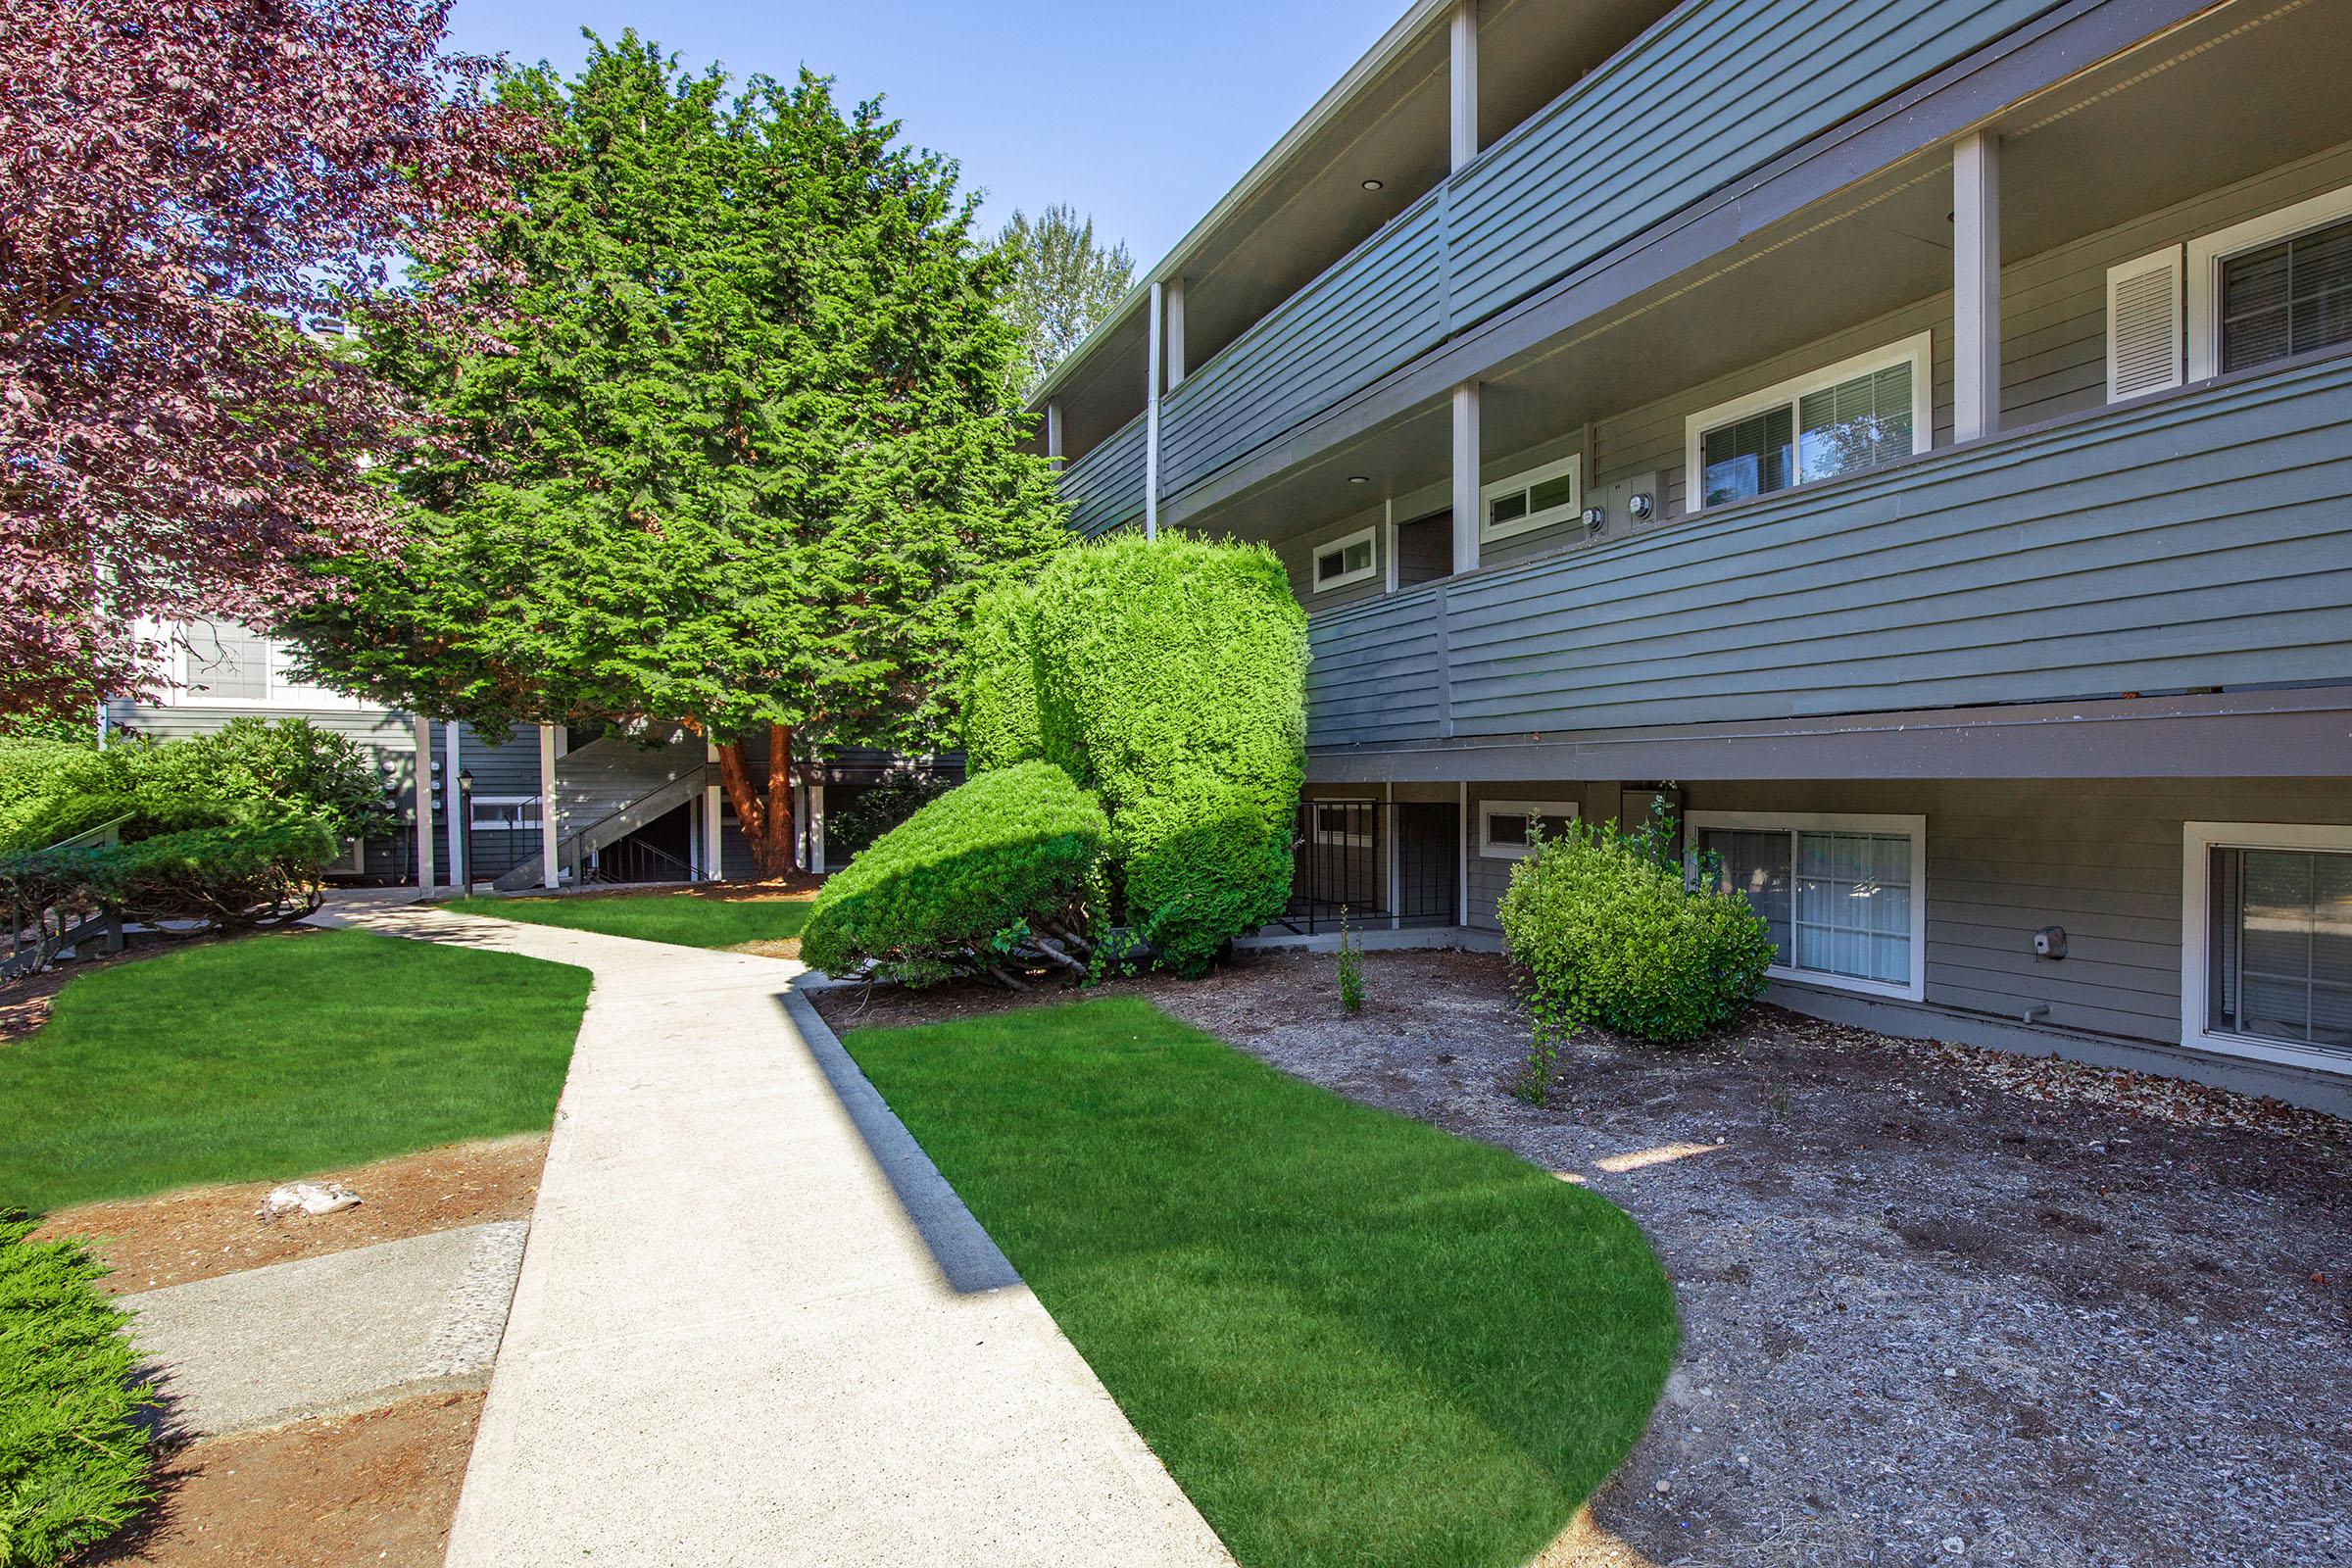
<point>1718,88</point>
<point>2200,539</point>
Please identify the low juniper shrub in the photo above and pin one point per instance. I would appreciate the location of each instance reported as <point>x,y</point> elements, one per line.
<point>1352,968</point>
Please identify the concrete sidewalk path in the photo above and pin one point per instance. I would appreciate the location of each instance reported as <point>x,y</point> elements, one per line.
<point>326,1335</point>
<point>752,1325</point>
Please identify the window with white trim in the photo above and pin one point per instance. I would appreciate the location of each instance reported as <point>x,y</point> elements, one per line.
<point>226,662</point>
<point>1345,562</point>
<point>511,813</point>
<point>1347,823</point>
<point>1537,498</point>
<point>2267,948</point>
<point>2272,287</point>
<point>1844,897</point>
<point>1509,829</point>
<point>1848,417</point>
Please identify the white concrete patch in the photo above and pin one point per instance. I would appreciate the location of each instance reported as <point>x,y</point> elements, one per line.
<point>320,1336</point>
<point>748,1332</point>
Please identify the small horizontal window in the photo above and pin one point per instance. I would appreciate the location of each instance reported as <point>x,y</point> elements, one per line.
<point>1509,829</point>
<point>1847,419</point>
<point>1345,562</point>
<point>1537,498</point>
<point>1348,824</point>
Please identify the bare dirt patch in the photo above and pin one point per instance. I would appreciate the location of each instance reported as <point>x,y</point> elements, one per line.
<point>200,1232</point>
<point>1939,1305</point>
<point>379,1488</point>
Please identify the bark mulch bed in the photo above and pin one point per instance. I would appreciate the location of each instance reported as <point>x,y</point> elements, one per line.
<point>1939,1305</point>
<point>379,1488</point>
<point>200,1232</point>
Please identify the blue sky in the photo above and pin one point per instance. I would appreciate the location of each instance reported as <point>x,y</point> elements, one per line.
<point>1141,112</point>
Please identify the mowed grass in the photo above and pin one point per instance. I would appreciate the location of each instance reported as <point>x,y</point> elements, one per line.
<point>687,919</point>
<point>277,1055</point>
<point>1353,1339</point>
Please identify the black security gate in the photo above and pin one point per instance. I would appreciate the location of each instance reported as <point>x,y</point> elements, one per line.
<point>1375,860</point>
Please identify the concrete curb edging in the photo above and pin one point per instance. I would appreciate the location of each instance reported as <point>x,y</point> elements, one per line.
<point>966,1253</point>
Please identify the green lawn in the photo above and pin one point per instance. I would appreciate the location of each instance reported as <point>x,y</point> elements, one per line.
<point>1353,1339</point>
<point>688,919</point>
<point>275,1056</point>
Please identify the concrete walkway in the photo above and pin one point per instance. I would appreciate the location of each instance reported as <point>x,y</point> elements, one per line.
<point>754,1327</point>
<point>326,1336</point>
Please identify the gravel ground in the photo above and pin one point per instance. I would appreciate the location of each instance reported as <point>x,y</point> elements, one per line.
<point>1939,1305</point>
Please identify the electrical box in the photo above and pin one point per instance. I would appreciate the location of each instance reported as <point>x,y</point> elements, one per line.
<point>2050,941</point>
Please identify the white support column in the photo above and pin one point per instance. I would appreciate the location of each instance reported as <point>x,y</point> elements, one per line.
<point>547,869</point>
<point>1463,115</point>
<point>817,829</point>
<point>1465,477</point>
<point>1152,360</point>
<point>1388,834</point>
<point>1054,429</point>
<point>453,801</point>
<point>1388,544</point>
<point>425,805</point>
<point>1461,907</point>
<point>1976,286</point>
<point>715,863</point>
<point>1174,360</point>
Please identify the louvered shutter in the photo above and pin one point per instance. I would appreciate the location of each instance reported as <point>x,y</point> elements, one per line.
<point>2143,326</point>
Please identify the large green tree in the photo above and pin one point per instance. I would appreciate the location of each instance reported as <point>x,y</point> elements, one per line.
<point>1063,283</point>
<point>742,460</point>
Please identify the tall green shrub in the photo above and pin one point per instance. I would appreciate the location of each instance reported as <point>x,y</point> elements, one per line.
<point>74,1460</point>
<point>966,882</point>
<point>1169,676</point>
<point>1602,928</point>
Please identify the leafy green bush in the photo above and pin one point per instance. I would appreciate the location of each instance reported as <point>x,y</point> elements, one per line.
<point>963,884</point>
<point>250,771</point>
<point>1169,677</point>
<point>1603,928</point>
<point>224,876</point>
<point>74,1461</point>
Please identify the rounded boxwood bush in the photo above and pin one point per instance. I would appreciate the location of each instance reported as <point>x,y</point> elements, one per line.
<point>74,1462</point>
<point>1169,676</point>
<point>1602,929</point>
<point>946,891</point>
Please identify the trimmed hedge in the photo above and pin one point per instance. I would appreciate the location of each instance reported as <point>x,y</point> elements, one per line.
<point>1169,676</point>
<point>965,880</point>
<point>1603,928</point>
<point>74,1462</point>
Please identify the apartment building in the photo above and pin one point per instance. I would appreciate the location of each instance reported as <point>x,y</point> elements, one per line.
<point>1912,439</point>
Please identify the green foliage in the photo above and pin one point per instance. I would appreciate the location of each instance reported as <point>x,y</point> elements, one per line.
<point>867,816</point>
<point>277,1055</point>
<point>1169,677</point>
<point>957,885</point>
<point>1353,1337</point>
<point>1351,969</point>
<point>225,876</point>
<point>1604,928</point>
<point>1063,284</point>
<point>74,1462</point>
<point>751,456</point>
<point>249,772</point>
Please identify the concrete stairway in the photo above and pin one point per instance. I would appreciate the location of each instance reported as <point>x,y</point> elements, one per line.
<point>609,788</point>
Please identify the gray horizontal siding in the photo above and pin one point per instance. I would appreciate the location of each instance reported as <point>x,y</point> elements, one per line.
<point>2100,858</point>
<point>1378,309</point>
<point>1106,488</point>
<point>2201,540</point>
<point>1717,89</point>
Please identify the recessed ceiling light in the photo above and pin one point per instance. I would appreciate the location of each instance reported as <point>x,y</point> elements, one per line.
<point>1372,184</point>
<point>1359,478</point>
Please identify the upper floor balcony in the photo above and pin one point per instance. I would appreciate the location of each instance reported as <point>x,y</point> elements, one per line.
<point>1681,109</point>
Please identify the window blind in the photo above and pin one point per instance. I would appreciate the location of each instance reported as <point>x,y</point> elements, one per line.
<point>2287,298</point>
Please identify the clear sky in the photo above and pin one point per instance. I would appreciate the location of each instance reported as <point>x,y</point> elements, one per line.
<point>1141,112</point>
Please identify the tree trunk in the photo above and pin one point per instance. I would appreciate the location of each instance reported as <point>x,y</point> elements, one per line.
<point>765,816</point>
